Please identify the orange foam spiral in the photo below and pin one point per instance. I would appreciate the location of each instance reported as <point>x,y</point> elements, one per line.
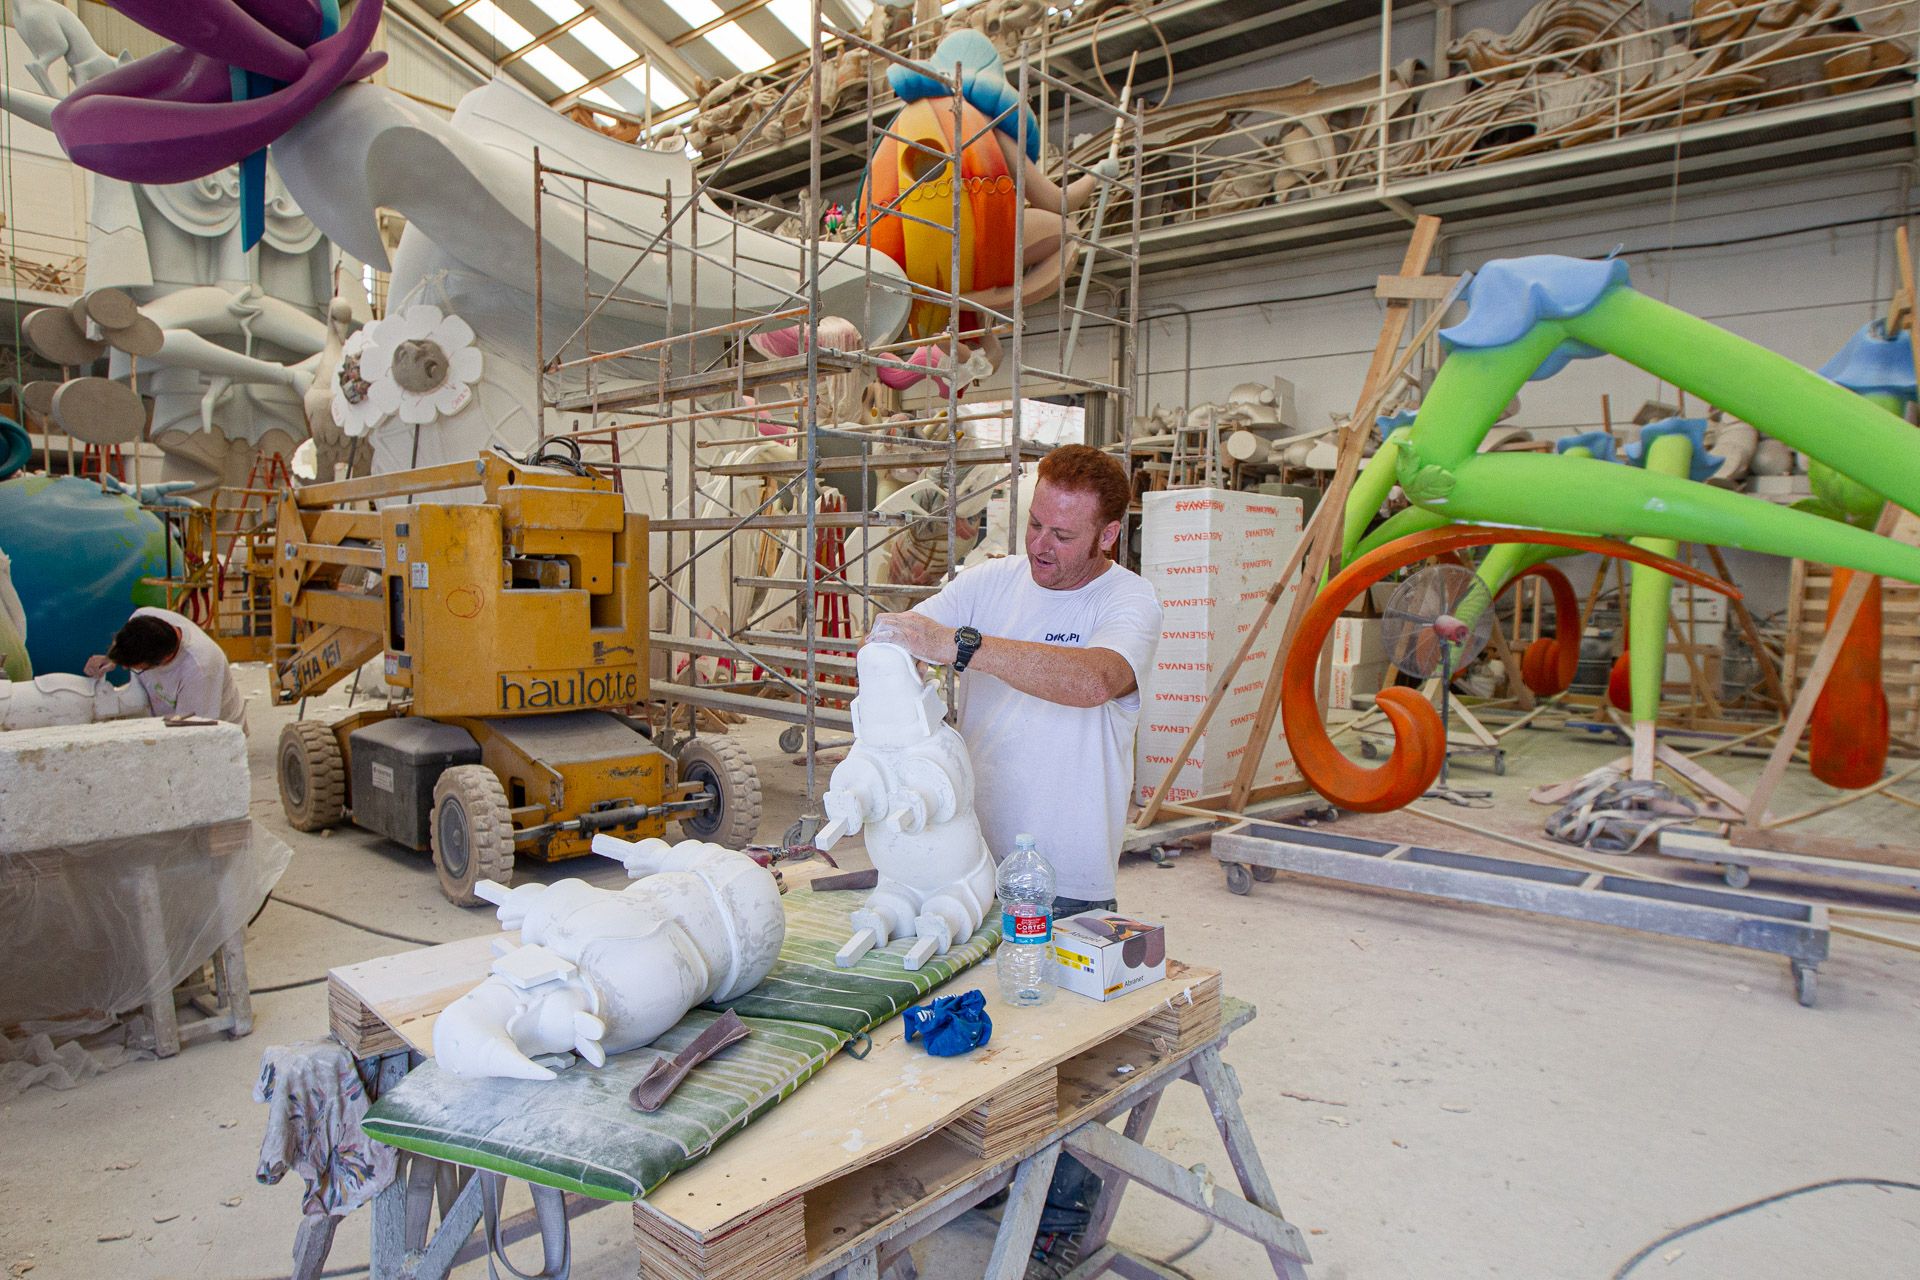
<point>1419,738</point>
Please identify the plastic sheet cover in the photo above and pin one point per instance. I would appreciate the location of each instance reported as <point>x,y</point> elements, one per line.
<point>92,930</point>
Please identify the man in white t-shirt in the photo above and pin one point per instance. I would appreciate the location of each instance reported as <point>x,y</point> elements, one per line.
<point>178,667</point>
<point>1054,647</point>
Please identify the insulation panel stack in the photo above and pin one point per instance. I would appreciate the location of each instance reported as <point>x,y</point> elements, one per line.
<point>1210,555</point>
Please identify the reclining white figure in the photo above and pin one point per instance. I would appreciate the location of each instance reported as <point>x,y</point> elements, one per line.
<point>602,971</point>
<point>66,699</point>
<point>908,781</point>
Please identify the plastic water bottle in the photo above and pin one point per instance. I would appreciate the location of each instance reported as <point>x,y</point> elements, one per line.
<point>1025,962</point>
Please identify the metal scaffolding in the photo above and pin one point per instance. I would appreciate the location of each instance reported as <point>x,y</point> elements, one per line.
<point>784,519</point>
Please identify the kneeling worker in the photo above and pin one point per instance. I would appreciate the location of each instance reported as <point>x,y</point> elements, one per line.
<point>1055,646</point>
<point>176,664</point>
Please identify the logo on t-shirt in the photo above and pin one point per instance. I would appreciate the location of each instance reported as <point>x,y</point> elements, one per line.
<point>1063,637</point>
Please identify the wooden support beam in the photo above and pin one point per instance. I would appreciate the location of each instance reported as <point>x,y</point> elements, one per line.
<point>1382,371</point>
<point>1415,288</point>
<point>1895,523</point>
<point>1769,674</point>
<point>1842,801</point>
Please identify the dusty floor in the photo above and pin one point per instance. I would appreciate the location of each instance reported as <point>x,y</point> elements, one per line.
<point>1438,1091</point>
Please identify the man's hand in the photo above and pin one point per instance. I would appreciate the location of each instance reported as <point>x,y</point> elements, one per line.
<point>98,665</point>
<point>918,634</point>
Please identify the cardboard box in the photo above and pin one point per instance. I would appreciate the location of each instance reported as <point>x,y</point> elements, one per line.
<point>1349,682</point>
<point>1357,641</point>
<point>1100,955</point>
<point>1210,555</point>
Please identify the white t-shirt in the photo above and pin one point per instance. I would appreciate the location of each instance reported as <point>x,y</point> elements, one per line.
<point>1060,774</point>
<point>196,681</point>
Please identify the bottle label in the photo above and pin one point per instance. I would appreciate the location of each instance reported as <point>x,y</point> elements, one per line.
<point>1026,925</point>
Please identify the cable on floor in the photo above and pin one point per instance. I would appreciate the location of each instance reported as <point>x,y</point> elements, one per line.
<point>1667,1239</point>
<point>286,986</point>
<point>355,924</point>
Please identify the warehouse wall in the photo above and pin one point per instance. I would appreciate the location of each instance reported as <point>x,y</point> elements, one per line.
<point>1796,266</point>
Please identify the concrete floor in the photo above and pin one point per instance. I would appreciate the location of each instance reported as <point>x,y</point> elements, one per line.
<point>1438,1091</point>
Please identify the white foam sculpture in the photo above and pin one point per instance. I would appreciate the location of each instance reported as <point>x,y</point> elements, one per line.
<point>466,188</point>
<point>602,971</point>
<point>908,783</point>
<point>45,701</point>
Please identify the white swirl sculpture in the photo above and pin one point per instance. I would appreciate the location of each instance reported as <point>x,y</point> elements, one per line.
<point>602,971</point>
<point>908,782</point>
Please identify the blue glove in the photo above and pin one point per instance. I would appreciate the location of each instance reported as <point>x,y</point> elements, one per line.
<point>951,1025</point>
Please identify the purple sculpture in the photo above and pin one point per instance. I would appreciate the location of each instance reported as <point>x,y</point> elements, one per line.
<point>173,116</point>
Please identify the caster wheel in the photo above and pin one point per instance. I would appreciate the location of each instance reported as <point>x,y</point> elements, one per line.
<point>1500,765</point>
<point>1737,877</point>
<point>793,739</point>
<point>1367,749</point>
<point>801,832</point>
<point>1239,879</point>
<point>1804,982</point>
<point>1264,875</point>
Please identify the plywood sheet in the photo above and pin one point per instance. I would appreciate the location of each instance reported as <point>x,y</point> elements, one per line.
<point>856,1112</point>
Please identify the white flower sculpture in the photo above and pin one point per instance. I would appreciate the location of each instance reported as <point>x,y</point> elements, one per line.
<point>420,364</point>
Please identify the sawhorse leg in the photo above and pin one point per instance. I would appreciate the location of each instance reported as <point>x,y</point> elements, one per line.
<point>1122,1158</point>
<point>401,1246</point>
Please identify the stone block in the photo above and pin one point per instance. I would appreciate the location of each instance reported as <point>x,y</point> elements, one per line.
<point>63,785</point>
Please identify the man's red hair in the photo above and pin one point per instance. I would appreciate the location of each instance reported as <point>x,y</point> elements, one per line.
<point>1086,469</point>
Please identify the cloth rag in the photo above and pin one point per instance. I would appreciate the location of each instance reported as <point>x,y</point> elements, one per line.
<point>316,1102</point>
<point>950,1025</point>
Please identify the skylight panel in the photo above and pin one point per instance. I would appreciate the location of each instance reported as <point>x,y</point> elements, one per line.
<point>603,44</point>
<point>794,16</point>
<point>558,10</point>
<point>506,33</point>
<point>558,71</point>
<point>696,12</point>
<point>739,48</point>
<point>734,44</point>
<point>665,93</point>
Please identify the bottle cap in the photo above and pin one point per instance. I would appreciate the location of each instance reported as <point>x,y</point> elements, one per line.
<point>1023,841</point>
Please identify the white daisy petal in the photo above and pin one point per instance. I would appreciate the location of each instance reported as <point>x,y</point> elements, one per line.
<point>417,409</point>
<point>383,397</point>
<point>452,332</point>
<point>465,364</point>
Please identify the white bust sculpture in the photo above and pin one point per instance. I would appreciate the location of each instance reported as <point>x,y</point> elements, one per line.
<point>601,971</point>
<point>908,782</point>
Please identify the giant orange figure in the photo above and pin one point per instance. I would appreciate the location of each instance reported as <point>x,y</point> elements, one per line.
<point>1007,247</point>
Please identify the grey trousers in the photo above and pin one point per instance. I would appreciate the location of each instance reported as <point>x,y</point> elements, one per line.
<point>1075,1188</point>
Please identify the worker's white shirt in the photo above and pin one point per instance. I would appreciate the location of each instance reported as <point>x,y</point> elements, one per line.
<point>1060,774</point>
<point>196,681</point>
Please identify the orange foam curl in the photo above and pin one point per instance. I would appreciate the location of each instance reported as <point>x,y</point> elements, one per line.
<point>1548,665</point>
<point>1419,738</point>
<point>1848,747</point>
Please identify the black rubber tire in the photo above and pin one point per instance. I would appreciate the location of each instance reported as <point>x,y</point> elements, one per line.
<point>1264,874</point>
<point>312,775</point>
<point>724,768</point>
<point>472,832</point>
<point>1239,878</point>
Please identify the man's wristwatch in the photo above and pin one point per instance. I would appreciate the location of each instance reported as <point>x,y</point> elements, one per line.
<point>966,643</point>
